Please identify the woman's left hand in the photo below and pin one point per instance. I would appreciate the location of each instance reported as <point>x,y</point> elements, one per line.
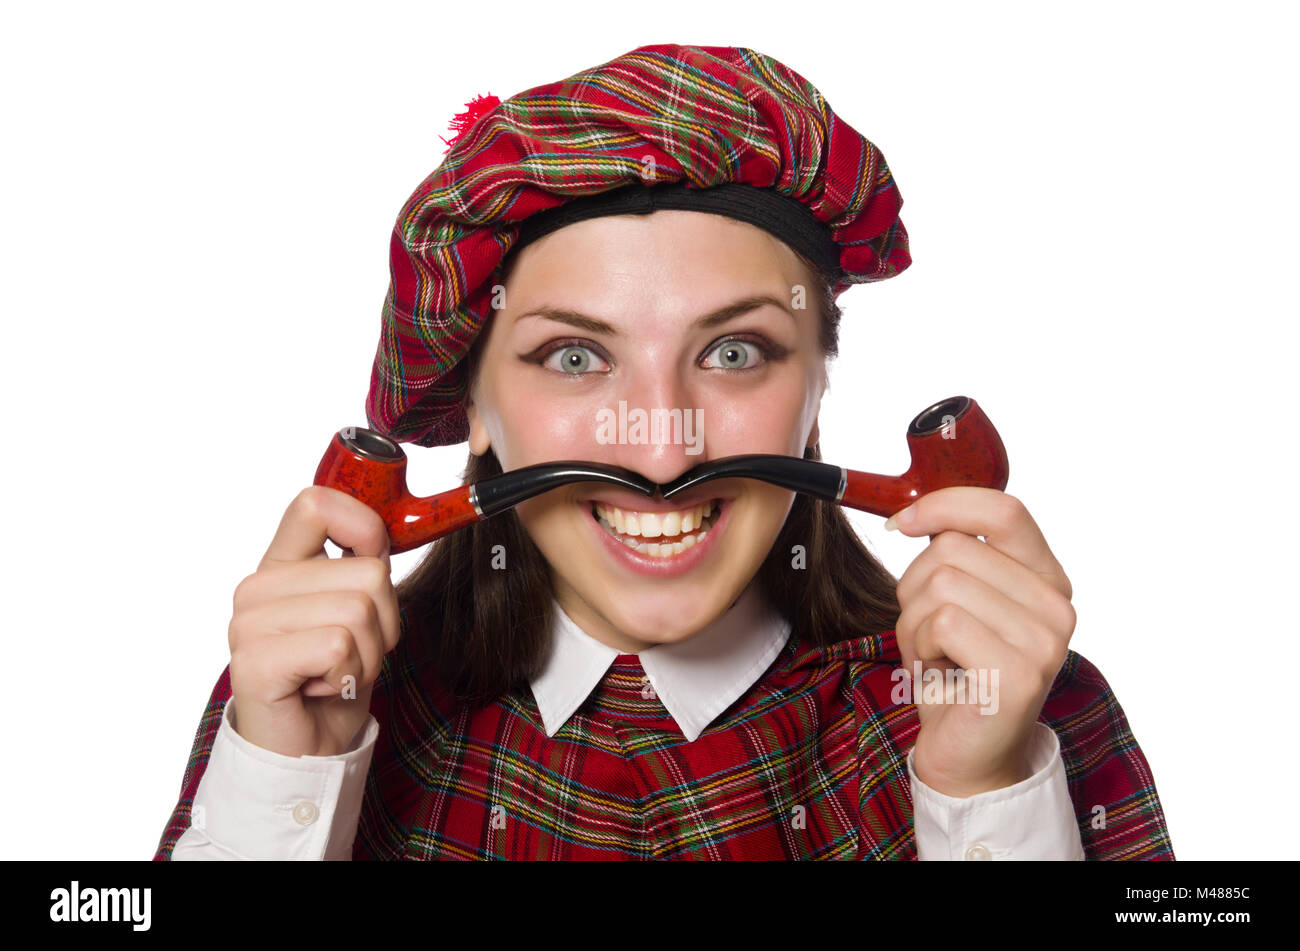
<point>999,608</point>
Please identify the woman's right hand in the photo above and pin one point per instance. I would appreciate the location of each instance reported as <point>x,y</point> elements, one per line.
<point>304,623</point>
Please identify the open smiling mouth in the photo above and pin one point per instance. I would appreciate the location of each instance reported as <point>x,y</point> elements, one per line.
<point>658,534</point>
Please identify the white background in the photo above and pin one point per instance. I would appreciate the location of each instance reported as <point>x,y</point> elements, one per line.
<point>197,203</point>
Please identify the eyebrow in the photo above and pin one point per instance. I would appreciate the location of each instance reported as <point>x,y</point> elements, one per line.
<point>720,316</point>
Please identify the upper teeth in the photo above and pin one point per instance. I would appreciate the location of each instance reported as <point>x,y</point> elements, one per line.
<point>655,524</point>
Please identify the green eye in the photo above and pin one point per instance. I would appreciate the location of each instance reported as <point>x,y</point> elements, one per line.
<point>734,354</point>
<point>572,359</point>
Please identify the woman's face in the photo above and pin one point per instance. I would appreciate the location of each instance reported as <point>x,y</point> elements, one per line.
<point>624,318</point>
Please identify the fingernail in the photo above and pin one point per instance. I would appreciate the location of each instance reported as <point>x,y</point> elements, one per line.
<point>905,516</point>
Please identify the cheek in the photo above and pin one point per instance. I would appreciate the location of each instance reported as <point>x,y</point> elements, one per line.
<point>765,510</point>
<point>747,422</point>
<point>548,520</point>
<point>533,428</point>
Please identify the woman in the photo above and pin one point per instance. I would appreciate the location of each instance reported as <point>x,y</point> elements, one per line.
<point>600,675</point>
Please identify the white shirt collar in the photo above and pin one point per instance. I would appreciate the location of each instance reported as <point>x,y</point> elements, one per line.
<point>695,679</point>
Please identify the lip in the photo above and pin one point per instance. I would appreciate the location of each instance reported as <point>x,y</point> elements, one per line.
<point>652,566</point>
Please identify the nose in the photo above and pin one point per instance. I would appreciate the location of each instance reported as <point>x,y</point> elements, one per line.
<point>657,431</point>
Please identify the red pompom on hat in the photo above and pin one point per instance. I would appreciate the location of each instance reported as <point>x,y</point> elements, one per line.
<point>660,126</point>
<point>474,109</point>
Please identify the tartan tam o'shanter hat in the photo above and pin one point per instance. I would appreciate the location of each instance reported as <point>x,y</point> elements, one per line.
<point>711,128</point>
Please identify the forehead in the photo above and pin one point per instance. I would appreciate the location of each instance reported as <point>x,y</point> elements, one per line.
<point>665,245</point>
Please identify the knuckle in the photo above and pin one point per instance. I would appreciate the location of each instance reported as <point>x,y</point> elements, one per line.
<point>944,580</point>
<point>244,591</point>
<point>1069,588</point>
<point>235,632</point>
<point>303,499</point>
<point>903,629</point>
<point>375,525</point>
<point>1012,512</point>
<point>1058,614</point>
<point>947,618</point>
<point>1069,616</point>
<point>309,502</point>
<point>947,543</point>
<point>359,609</point>
<point>339,647</point>
<point>377,577</point>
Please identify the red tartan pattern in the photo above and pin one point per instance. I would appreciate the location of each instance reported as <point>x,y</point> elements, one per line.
<point>810,763</point>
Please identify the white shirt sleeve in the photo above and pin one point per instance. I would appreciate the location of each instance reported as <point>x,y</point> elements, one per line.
<point>252,803</point>
<point>1034,819</point>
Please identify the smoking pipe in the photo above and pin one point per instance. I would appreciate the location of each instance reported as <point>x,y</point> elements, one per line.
<point>951,443</point>
<point>372,467</point>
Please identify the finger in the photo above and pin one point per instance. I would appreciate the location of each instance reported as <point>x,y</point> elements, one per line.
<point>316,656</point>
<point>905,632</point>
<point>320,687</point>
<point>1011,621</point>
<point>318,513</point>
<point>955,636</point>
<point>980,560</point>
<point>354,611</point>
<point>370,575</point>
<point>1001,519</point>
<point>326,644</point>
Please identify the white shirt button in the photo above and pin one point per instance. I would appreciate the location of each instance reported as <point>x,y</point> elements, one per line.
<point>305,813</point>
<point>978,853</point>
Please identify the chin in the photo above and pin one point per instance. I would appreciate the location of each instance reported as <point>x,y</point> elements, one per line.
<point>658,618</point>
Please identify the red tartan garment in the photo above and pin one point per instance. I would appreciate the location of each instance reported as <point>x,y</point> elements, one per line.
<point>809,763</point>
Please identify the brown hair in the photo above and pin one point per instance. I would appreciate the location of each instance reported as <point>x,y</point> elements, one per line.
<point>486,631</point>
